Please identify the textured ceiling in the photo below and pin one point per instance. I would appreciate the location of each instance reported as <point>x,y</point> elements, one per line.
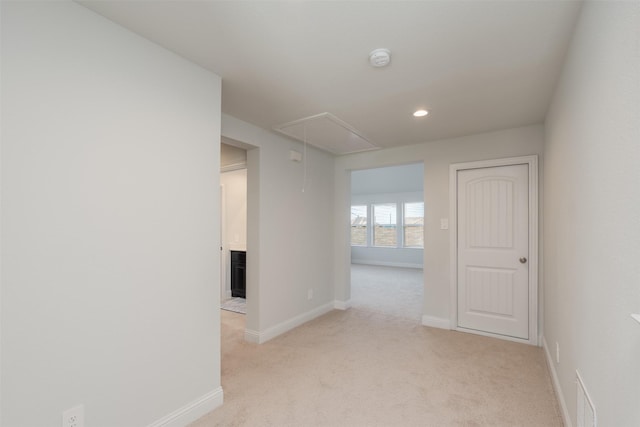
<point>477,66</point>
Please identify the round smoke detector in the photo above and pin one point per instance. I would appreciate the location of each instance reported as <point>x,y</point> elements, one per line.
<point>380,57</point>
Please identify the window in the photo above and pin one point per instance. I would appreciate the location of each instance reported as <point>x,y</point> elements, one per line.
<point>414,225</point>
<point>384,232</point>
<point>388,225</point>
<point>359,225</point>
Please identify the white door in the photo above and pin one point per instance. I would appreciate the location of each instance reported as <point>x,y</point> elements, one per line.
<point>492,250</point>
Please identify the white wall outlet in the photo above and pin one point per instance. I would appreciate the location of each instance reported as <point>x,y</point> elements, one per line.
<point>557,352</point>
<point>310,294</point>
<point>444,223</point>
<point>73,417</point>
<point>295,156</point>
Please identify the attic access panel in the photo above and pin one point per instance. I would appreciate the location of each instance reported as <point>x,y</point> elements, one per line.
<point>326,132</point>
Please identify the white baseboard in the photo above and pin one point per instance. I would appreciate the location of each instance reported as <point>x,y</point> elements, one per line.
<point>556,385</point>
<point>287,325</point>
<point>342,305</point>
<point>252,336</point>
<point>192,411</point>
<point>387,264</point>
<point>533,342</point>
<point>436,322</point>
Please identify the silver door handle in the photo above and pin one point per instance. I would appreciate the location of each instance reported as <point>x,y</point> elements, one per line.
<point>523,260</point>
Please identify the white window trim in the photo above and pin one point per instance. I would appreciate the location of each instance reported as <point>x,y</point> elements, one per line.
<point>373,241</point>
<point>403,225</point>
<point>400,225</point>
<point>366,239</point>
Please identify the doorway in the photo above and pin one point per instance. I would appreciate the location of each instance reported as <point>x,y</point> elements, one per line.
<point>233,180</point>
<point>250,321</point>
<point>494,248</point>
<point>387,240</point>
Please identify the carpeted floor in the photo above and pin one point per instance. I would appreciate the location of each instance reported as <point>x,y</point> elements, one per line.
<point>364,367</point>
<point>389,290</point>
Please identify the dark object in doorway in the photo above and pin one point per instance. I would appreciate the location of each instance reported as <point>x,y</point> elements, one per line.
<point>238,274</point>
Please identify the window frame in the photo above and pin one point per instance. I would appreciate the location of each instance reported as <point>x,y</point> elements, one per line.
<point>400,226</point>
<point>404,224</point>
<point>374,243</point>
<point>366,226</point>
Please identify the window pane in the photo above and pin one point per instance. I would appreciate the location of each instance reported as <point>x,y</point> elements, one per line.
<point>414,225</point>
<point>384,232</point>
<point>359,225</point>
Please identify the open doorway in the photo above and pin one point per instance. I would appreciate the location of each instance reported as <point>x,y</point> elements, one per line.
<point>233,227</point>
<point>387,240</point>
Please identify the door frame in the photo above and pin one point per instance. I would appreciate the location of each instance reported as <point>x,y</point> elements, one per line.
<point>223,245</point>
<point>532,162</point>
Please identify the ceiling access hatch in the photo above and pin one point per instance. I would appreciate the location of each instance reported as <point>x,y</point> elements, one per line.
<point>326,132</point>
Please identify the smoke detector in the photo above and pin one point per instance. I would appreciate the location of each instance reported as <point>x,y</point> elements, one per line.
<point>380,58</point>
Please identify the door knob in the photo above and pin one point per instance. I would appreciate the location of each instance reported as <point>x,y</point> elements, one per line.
<point>523,260</point>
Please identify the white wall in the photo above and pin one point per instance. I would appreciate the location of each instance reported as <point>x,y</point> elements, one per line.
<point>235,189</point>
<point>437,156</point>
<point>110,218</point>
<point>289,243</point>
<point>592,215</point>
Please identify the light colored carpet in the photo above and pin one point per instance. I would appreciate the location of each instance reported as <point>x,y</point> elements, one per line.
<point>364,367</point>
<point>390,290</point>
<point>236,304</point>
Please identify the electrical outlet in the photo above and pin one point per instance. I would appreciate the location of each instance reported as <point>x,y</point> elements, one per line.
<point>73,417</point>
<point>557,352</point>
<point>310,294</point>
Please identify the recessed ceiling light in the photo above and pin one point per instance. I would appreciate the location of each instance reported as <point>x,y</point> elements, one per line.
<point>420,113</point>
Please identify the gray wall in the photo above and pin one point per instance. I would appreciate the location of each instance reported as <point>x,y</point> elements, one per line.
<point>289,243</point>
<point>110,219</point>
<point>394,179</point>
<point>592,215</point>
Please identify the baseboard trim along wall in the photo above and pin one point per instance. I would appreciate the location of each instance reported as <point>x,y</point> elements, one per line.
<point>556,385</point>
<point>386,263</point>
<point>436,322</point>
<point>342,305</point>
<point>252,336</point>
<point>192,411</point>
<point>287,325</point>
